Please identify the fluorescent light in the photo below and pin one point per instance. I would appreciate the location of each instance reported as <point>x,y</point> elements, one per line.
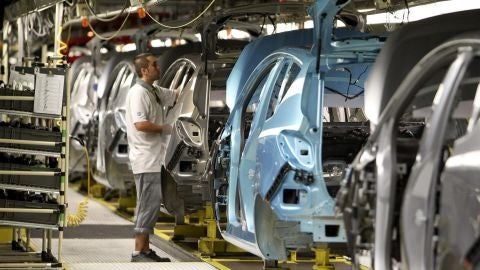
<point>198,36</point>
<point>157,43</point>
<point>233,34</point>
<point>129,47</point>
<point>424,11</point>
<point>366,10</point>
<point>308,24</point>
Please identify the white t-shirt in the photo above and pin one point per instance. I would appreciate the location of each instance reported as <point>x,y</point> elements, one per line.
<point>146,150</point>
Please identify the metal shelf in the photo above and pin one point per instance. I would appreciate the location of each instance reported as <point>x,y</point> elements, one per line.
<point>29,142</point>
<point>29,152</point>
<point>30,173</point>
<point>49,144</point>
<point>29,188</point>
<point>28,210</point>
<point>23,98</point>
<point>28,225</point>
<point>30,114</point>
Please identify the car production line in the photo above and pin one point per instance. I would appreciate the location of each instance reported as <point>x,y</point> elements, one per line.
<point>104,241</point>
<point>248,185</point>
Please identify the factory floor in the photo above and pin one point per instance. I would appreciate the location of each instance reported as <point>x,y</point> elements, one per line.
<point>105,241</point>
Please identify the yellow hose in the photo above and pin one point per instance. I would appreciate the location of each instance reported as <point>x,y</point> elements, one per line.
<point>82,208</point>
<point>63,45</point>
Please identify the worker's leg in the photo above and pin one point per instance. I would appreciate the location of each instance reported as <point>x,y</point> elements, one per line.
<point>141,242</point>
<point>148,206</point>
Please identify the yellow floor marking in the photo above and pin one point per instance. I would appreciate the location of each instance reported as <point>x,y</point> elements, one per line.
<point>214,263</point>
<point>161,234</point>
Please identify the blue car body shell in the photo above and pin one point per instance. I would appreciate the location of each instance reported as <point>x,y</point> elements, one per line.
<point>272,187</point>
<point>284,147</point>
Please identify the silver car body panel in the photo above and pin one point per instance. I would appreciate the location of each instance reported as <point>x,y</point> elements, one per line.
<point>82,107</point>
<point>416,204</point>
<point>418,209</point>
<point>460,190</point>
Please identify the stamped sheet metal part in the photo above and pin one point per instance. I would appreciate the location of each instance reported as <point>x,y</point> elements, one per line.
<point>269,179</point>
<point>413,131</point>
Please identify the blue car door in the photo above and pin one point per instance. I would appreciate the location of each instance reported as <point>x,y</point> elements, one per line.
<point>287,117</point>
<point>255,108</point>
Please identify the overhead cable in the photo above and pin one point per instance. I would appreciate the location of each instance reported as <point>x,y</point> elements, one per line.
<point>114,34</point>
<point>106,19</point>
<point>179,26</point>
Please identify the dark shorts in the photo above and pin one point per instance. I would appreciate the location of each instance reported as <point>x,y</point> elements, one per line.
<point>149,199</point>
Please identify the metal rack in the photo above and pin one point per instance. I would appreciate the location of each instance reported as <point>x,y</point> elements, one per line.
<point>22,216</point>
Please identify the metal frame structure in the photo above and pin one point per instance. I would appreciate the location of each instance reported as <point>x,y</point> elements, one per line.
<point>63,173</point>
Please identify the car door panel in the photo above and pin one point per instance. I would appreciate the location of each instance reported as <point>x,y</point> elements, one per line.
<point>248,167</point>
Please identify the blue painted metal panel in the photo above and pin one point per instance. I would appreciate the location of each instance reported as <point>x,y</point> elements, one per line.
<point>283,151</point>
<point>258,50</point>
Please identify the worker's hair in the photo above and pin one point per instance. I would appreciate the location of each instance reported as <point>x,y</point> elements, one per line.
<point>140,61</point>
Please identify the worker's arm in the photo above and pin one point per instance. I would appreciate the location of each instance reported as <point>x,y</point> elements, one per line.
<point>149,127</point>
<point>167,96</point>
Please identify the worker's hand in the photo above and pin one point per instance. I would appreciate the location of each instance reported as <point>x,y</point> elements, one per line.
<point>167,129</point>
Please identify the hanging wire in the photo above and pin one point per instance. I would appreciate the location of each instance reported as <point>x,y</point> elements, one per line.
<point>388,25</point>
<point>66,15</point>
<point>408,11</point>
<point>179,26</point>
<point>70,3</point>
<point>106,19</point>
<point>355,82</point>
<point>263,24</point>
<point>114,34</point>
<point>343,95</point>
<point>272,20</point>
<point>360,75</point>
<point>28,22</point>
<point>44,24</point>
<point>349,80</point>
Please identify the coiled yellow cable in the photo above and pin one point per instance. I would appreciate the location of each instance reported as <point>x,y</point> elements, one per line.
<point>82,208</point>
<point>63,45</point>
<point>80,215</point>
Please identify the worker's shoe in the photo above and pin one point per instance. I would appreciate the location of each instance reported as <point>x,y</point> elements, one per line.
<point>148,256</point>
